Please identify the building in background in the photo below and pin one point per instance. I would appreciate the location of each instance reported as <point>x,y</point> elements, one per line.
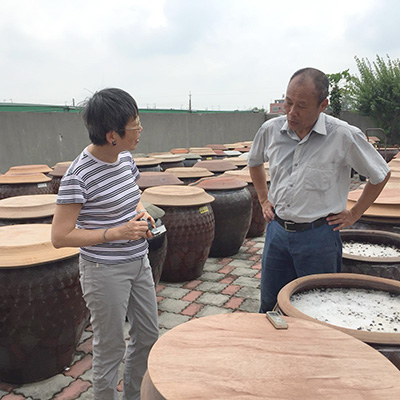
<point>277,107</point>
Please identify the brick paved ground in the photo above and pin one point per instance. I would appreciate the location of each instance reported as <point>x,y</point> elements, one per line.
<point>227,285</point>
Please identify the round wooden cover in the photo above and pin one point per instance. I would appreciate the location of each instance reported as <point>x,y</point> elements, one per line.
<point>179,150</point>
<point>143,161</point>
<point>29,169</point>
<point>149,179</point>
<point>217,146</point>
<point>62,164</point>
<point>232,153</point>
<point>216,165</point>
<point>242,356</point>
<point>59,170</point>
<point>238,161</point>
<point>244,174</point>
<point>387,196</point>
<point>24,178</point>
<point>220,183</point>
<point>190,172</point>
<point>191,156</point>
<point>29,244</point>
<point>30,206</point>
<point>203,151</point>
<point>379,210</point>
<point>173,195</point>
<point>168,157</point>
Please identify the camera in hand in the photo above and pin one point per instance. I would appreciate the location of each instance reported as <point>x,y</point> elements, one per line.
<point>155,231</point>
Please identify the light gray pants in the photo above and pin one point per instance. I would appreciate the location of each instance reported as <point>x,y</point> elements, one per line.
<point>112,293</point>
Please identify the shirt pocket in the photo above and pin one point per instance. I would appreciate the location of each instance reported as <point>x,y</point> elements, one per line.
<point>317,178</point>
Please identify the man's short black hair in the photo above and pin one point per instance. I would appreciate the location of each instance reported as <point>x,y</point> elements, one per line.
<point>321,81</point>
<point>108,110</point>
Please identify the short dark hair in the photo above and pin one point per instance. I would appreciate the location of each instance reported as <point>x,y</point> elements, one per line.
<point>321,81</point>
<point>108,110</point>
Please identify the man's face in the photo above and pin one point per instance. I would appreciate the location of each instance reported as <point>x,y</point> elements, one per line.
<point>302,106</point>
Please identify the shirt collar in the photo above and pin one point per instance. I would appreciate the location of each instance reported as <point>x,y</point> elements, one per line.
<point>319,126</point>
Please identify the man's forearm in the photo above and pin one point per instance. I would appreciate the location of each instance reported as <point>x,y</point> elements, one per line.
<point>259,179</point>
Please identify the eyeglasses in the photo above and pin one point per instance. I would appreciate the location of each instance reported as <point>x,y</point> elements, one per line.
<point>135,129</point>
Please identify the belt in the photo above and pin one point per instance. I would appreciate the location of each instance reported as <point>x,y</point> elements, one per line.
<point>291,226</point>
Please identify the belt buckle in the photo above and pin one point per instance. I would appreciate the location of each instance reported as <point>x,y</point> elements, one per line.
<point>286,223</point>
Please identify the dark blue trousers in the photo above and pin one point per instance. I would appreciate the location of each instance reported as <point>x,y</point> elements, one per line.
<point>290,255</point>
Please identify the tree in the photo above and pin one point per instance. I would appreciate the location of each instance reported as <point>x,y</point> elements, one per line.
<point>376,93</point>
<point>340,91</point>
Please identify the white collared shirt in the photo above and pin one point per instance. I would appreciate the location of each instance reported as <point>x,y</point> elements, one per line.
<point>310,178</point>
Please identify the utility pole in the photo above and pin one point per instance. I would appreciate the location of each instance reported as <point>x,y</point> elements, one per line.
<point>190,102</point>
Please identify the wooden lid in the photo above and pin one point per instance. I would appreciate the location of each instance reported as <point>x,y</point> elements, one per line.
<point>232,153</point>
<point>220,183</point>
<point>191,156</point>
<point>62,164</point>
<point>29,244</point>
<point>202,151</point>
<point>143,161</point>
<point>244,174</point>
<point>217,146</point>
<point>242,356</point>
<point>168,157</point>
<point>29,169</point>
<point>150,179</point>
<point>24,178</point>
<point>59,170</point>
<point>190,172</point>
<point>179,150</point>
<point>379,210</point>
<point>216,165</point>
<point>31,206</point>
<point>159,153</point>
<point>176,196</point>
<point>238,161</point>
<point>387,196</point>
<point>342,280</point>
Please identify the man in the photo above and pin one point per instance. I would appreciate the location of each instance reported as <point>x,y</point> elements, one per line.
<point>310,158</point>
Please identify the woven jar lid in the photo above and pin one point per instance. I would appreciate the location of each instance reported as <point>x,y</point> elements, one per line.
<point>30,206</point>
<point>143,161</point>
<point>168,157</point>
<point>29,169</point>
<point>26,245</point>
<point>190,172</point>
<point>176,196</point>
<point>220,183</point>
<point>216,165</point>
<point>24,178</point>
<point>150,179</point>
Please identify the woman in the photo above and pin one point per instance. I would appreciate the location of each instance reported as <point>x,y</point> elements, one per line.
<point>99,210</point>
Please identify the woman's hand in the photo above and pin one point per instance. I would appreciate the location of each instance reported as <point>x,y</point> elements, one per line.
<point>135,229</point>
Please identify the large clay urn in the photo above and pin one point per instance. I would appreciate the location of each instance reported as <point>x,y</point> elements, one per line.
<point>57,173</point>
<point>42,312</point>
<point>150,179</point>
<point>189,220</point>
<point>232,211</point>
<point>258,222</point>
<point>190,174</point>
<point>218,167</point>
<point>24,184</point>
<point>388,343</point>
<point>361,262</point>
<point>190,159</point>
<point>383,214</point>
<point>147,164</point>
<point>28,209</point>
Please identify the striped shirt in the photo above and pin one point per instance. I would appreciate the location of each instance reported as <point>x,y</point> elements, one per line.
<point>109,196</point>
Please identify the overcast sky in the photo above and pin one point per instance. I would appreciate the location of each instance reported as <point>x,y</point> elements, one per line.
<point>230,54</point>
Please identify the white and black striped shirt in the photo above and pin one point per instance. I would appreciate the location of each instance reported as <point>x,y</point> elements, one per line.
<point>109,196</point>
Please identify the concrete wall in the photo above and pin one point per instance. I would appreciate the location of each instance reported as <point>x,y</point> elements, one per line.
<point>47,138</point>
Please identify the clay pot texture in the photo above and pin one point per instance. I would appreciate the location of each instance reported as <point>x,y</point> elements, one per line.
<point>22,189</point>
<point>232,210</point>
<point>42,317</point>
<point>381,267</point>
<point>190,232</point>
<point>157,254</point>
<point>258,222</point>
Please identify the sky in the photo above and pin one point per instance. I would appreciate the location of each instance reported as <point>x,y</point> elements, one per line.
<point>223,54</point>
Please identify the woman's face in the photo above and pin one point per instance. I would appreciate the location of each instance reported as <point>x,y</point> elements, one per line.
<point>132,134</point>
